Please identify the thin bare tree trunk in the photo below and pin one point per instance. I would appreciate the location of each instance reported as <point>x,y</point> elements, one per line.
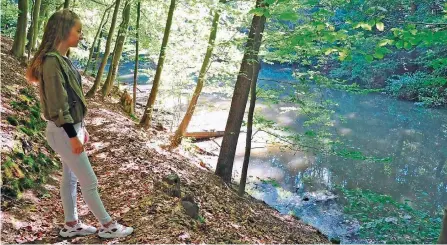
<point>43,13</point>
<point>177,139</point>
<point>97,59</point>
<point>98,77</point>
<point>137,49</point>
<point>251,112</point>
<point>32,32</point>
<point>98,33</point>
<point>147,116</point>
<point>113,70</point>
<point>225,161</point>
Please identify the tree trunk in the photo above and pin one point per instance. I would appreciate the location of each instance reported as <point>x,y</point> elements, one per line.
<point>251,111</point>
<point>225,161</point>
<point>147,116</point>
<point>98,77</point>
<point>98,50</point>
<point>43,15</point>
<point>30,31</point>
<point>177,139</point>
<point>66,4</point>
<point>137,49</point>
<point>18,47</point>
<point>113,70</point>
<point>33,29</point>
<point>203,135</point>
<point>101,26</point>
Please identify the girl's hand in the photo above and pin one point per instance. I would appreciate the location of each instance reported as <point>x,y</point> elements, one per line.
<point>86,136</point>
<point>76,146</point>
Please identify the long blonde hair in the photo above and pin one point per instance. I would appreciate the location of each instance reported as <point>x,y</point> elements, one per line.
<point>57,30</point>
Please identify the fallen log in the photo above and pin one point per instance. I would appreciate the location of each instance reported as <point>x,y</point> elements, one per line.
<point>204,135</point>
<point>204,152</point>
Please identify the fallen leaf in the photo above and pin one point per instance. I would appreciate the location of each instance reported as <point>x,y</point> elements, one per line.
<point>236,226</point>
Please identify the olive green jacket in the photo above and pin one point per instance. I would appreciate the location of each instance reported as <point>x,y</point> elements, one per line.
<point>61,96</point>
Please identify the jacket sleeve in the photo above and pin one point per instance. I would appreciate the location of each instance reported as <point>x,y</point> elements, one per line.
<point>55,93</point>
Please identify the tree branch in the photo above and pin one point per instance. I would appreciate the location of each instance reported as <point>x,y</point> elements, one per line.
<point>423,23</point>
<point>299,146</point>
<point>103,4</point>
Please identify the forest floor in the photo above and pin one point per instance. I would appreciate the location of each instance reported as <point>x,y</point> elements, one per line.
<point>130,166</point>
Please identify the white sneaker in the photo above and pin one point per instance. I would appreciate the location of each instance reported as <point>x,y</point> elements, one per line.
<point>80,229</point>
<point>115,230</point>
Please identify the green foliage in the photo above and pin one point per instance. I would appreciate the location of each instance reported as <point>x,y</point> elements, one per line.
<point>12,120</point>
<point>29,161</point>
<point>6,167</point>
<point>260,12</point>
<point>288,16</point>
<point>20,172</point>
<point>366,50</point>
<point>201,219</point>
<point>19,105</point>
<point>8,17</point>
<point>28,92</point>
<point>419,86</point>
<point>11,173</point>
<point>26,183</point>
<point>32,124</point>
<point>134,118</point>
<point>43,160</point>
<point>270,181</point>
<point>384,219</point>
<point>20,155</point>
<point>35,122</point>
<point>357,155</point>
<point>434,60</point>
<point>27,131</point>
<point>11,189</point>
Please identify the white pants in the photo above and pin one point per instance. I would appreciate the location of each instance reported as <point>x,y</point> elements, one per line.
<point>75,167</point>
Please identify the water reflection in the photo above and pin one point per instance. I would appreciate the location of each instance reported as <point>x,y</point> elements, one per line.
<point>414,137</point>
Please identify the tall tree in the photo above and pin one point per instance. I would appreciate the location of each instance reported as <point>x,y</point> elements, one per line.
<point>43,14</point>
<point>66,4</point>
<point>104,21</point>
<point>225,161</point>
<point>18,47</point>
<point>98,77</point>
<point>33,29</point>
<point>251,112</point>
<point>147,116</point>
<point>137,49</point>
<point>177,139</point>
<point>122,33</point>
<point>98,50</point>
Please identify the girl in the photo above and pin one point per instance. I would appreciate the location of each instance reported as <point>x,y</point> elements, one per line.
<point>64,106</point>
